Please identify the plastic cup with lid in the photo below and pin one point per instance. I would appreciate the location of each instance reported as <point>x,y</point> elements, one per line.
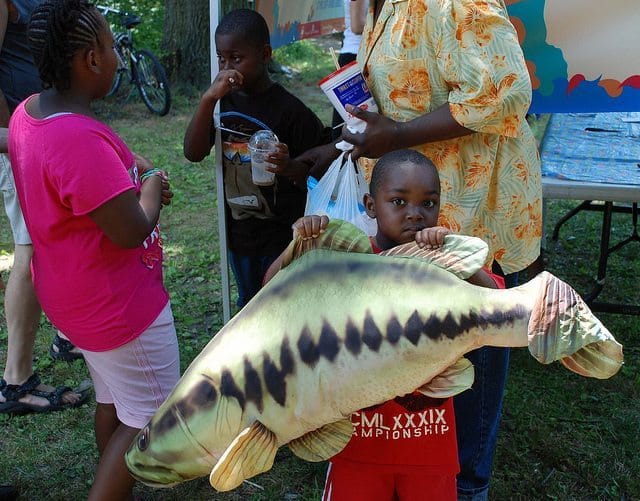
<point>261,145</point>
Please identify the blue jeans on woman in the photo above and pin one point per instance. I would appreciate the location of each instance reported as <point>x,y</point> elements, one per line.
<point>249,272</point>
<point>478,412</point>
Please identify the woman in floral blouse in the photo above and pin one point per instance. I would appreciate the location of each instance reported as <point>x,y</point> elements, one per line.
<point>450,81</point>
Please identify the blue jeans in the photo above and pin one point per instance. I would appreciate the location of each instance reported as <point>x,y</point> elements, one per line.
<point>478,413</point>
<point>249,272</point>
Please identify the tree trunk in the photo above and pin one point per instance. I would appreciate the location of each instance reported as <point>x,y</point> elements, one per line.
<point>185,42</point>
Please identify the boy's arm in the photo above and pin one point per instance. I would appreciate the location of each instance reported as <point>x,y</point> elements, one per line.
<point>197,139</point>
<point>305,227</point>
<point>292,168</point>
<point>483,279</point>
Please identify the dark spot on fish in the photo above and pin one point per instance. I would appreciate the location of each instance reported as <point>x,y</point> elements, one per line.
<point>183,408</point>
<point>287,362</point>
<point>413,328</point>
<point>432,327</point>
<point>229,388</point>
<point>355,266</point>
<point>274,380</point>
<point>449,327</point>
<point>307,348</point>
<point>328,343</point>
<point>165,423</point>
<point>203,394</point>
<point>252,385</point>
<point>352,338</point>
<point>506,317</point>
<point>371,335</point>
<point>470,321</point>
<point>394,330</point>
<point>435,327</point>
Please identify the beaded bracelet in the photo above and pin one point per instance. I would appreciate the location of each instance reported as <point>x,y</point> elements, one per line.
<point>149,173</point>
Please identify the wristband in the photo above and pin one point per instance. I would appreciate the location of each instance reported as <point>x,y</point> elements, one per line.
<point>149,173</point>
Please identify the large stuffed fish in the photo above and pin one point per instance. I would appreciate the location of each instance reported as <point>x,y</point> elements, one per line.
<point>335,332</point>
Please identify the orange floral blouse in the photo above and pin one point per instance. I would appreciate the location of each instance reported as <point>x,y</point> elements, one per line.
<point>423,53</point>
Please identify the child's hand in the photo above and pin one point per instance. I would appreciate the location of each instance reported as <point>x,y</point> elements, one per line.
<point>224,82</point>
<point>166,194</point>
<point>285,166</point>
<point>280,158</point>
<point>431,238</point>
<point>310,226</point>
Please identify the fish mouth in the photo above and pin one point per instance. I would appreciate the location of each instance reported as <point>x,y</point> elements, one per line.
<point>155,476</point>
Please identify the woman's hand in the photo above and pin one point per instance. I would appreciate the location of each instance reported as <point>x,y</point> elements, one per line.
<point>380,136</point>
<point>319,159</point>
<point>310,226</point>
<point>432,238</point>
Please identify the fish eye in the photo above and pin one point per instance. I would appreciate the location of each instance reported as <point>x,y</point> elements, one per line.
<point>143,439</point>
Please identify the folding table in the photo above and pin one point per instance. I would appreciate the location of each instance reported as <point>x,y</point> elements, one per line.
<point>595,157</point>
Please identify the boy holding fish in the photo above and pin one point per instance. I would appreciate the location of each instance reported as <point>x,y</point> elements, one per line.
<point>405,448</point>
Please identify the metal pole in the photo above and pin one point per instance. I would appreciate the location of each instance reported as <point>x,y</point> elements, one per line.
<point>214,14</point>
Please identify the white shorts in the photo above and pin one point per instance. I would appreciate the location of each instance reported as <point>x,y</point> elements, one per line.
<point>138,376</point>
<point>11,203</point>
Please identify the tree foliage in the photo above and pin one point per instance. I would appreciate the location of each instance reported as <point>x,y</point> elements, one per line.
<point>147,35</point>
<point>177,31</point>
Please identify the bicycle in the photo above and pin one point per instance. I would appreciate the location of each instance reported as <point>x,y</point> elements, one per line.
<point>140,66</point>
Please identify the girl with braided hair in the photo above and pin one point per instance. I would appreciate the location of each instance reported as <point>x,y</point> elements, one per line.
<point>92,207</point>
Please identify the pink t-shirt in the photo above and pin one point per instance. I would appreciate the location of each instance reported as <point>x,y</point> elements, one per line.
<point>66,166</point>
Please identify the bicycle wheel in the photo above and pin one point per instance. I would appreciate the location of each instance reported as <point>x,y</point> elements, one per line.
<point>152,82</point>
<point>117,80</point>
<point>123,71</point>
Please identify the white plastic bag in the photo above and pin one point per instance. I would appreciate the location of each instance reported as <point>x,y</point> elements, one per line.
<point>339,194</point>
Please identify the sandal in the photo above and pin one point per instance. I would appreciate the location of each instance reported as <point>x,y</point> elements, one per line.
<point>61,349</point>
<point>14,392</point>
<point>8,493</point>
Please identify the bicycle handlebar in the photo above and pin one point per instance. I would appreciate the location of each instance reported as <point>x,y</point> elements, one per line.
<point>104,10</point>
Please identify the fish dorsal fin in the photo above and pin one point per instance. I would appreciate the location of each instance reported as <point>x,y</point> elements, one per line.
<point>339,235</point>
<point>453,380</point>
<point>461,255</point>
<point>323,443</point>
<point>251,452</point>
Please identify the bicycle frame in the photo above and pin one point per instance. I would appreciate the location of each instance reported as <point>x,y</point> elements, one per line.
<point>144,70</point>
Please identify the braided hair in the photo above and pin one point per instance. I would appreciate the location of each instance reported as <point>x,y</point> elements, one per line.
<point>58,29</point>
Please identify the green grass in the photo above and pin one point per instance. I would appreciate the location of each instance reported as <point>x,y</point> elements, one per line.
<point>563,437</point>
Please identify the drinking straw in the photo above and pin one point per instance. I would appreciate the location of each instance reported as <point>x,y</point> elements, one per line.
<point>334,57</point>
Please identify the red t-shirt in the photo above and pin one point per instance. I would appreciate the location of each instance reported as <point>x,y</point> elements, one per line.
<point>410,434</point>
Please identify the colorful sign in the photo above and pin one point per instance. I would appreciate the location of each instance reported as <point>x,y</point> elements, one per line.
<point>292,20</point>
<point>583,55</point>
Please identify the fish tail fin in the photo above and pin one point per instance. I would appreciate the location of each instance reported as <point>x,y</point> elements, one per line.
<point>562,327</point>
